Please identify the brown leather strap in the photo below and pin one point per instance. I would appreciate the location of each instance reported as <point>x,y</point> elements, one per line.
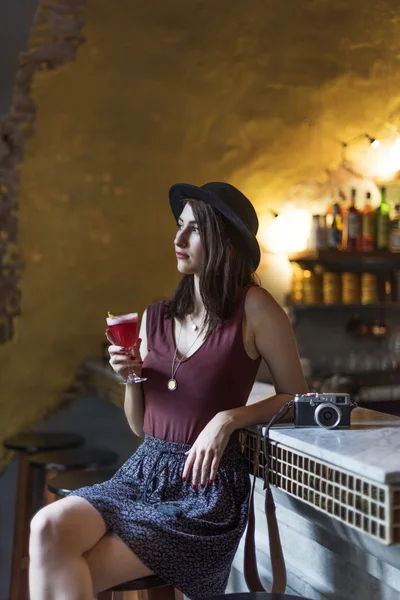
<point>250,570</point>
<point>251,575</point>
<point>275,547</point>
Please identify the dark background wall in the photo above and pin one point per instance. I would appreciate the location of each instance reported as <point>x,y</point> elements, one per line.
<point>15,21</point>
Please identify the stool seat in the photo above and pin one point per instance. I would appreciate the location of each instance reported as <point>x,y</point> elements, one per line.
<point>143,583</point>
<point>68,481</point>
<point>257,596</point>
<point>32,442</point>
<point>74,458</point>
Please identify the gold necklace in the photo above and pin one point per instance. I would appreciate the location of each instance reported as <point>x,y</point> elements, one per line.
<point>172,383</point>
<point>194,326</point>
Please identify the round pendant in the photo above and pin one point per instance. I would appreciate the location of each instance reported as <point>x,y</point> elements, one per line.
<point>172,385</point>
<point>194,327</point>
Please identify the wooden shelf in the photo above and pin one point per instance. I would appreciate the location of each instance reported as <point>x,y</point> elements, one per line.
<point>378,305</point>
<point>351,259</point>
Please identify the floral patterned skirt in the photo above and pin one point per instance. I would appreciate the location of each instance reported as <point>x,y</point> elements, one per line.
<point>186,536</point>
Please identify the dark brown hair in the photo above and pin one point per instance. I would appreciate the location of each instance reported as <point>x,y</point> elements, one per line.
<point>225,272</point>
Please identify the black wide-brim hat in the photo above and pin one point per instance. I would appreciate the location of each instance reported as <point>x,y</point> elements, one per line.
<point>230,202</point>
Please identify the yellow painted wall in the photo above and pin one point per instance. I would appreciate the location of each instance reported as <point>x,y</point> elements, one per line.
<point>162,91</point>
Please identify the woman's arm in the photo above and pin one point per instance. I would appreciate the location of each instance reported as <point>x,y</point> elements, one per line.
<point>134,398</point>
<point>271,337</point>
<point>274,341</point>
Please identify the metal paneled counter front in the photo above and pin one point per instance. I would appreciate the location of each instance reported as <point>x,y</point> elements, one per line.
<point>351,474</point>
<point>346,482</point>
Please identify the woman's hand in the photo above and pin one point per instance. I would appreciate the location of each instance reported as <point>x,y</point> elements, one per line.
<point>204,456</point>
<point>122,360</point>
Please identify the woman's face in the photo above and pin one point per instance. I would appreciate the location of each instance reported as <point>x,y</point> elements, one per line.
<point>188,247</point>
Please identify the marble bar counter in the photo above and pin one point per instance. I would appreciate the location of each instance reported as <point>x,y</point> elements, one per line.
<point>337,494</point>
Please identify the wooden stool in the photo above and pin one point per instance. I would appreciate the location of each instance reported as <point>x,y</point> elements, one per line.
<point>64,483</point>
<point>48,464</point>
<point>27,444</point>
<point>42,466</point>
<point>151,587</point>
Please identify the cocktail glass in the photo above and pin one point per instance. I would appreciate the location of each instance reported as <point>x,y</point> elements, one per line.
<point>123,330</point>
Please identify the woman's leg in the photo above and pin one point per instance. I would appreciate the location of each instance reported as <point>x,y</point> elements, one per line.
<point>60,534</point>
<point>111,562</point>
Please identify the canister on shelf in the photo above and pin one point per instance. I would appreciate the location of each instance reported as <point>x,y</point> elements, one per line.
<point>331,291</point>
<point>351,288</point>
<point>297,283</point>
<point>312,288</point>
<point>369,290</point>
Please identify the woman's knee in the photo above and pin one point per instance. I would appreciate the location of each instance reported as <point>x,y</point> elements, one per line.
<point>69,525</point>
<point>46,527</point>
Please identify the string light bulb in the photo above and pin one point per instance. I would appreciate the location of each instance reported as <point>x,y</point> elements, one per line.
<point>374,142</point>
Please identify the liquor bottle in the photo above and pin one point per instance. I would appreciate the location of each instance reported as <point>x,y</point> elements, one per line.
<point>345,211</point>
<point>317,238</point>
<point>382,222</point>
<point>368,226</point>
<point>322,234</point>
<point>353,225</point>
<point>394,238</point>
<point>335,227</point>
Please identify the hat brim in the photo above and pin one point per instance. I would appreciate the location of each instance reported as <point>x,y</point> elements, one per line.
<point>180,193</point>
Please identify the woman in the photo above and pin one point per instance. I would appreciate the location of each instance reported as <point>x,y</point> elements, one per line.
<point>178,507</point>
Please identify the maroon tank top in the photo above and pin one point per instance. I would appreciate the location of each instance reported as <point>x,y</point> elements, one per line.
<point>218,376</point>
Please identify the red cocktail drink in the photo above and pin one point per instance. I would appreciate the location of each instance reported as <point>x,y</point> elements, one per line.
<point>123,330</point>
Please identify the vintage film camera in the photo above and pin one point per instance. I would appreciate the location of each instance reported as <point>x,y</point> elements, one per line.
<point>330,411</point>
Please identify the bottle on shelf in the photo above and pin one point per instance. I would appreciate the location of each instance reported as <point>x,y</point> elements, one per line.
<point>312,238</point>
<point>394,236</point>
<point>345,212</point>
<point>317,238</point>
<point>368,226</point>
<point>353,241</point>
<point>323,234</point>
<point>382,222</point>
<point>335,227</point>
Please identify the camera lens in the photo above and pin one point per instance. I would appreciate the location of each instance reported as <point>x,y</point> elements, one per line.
<point>327,415</point>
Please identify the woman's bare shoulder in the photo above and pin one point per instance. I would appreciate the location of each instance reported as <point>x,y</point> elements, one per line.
<point>261,304</point>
